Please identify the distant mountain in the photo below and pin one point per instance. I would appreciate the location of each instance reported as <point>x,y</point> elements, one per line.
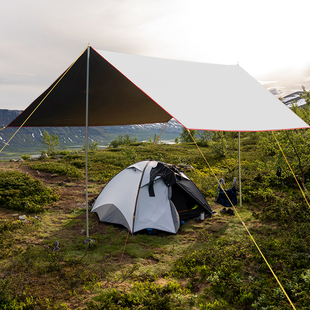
<point>30,137</point>
<point>294,98</point>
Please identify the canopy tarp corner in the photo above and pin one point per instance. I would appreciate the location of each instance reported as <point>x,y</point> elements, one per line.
<point>130,89</point>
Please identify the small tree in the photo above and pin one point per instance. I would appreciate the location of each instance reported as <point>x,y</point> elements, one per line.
<point>50,142</point>
<point>294,143</point>
<point>186,137</point>
<point>305,95</point>
<point>219,144</point>
<point>204,138</point>
<point>92,146</point>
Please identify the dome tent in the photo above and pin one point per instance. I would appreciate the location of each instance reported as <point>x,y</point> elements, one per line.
<point>150,194</point>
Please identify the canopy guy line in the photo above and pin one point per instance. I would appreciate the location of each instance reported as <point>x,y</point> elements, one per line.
<point>239,157</point>
<point>303,193</point>
<point>39,103</point>
<point>245,227</point>
<point>159,136</point>
<point>125,245</point>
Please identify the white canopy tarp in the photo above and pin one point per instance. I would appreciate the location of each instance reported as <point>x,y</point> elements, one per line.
<point>206,96</point>
<point>130,89</point>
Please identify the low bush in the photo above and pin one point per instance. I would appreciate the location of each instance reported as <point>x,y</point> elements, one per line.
<point>123,140</point>
<point>25,156</point>
<point>58,168</point>
<point>147,295</point>
<point>18,191</point>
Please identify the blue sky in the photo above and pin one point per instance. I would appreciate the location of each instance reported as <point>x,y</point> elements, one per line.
<point>40,39</point>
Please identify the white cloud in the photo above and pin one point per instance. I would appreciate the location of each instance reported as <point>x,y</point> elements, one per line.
<point>42,38</point>
<point>267,82</point>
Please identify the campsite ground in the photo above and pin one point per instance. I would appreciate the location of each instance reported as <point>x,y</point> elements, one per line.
<point>210,264</point>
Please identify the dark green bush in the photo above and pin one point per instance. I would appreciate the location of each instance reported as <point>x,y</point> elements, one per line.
<point>18,191</point>
<point>123,140</point>
<point>58,168</point>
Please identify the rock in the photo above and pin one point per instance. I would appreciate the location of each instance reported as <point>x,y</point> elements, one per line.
<point>81,205</point>
<point>92,201</point>
<point>186,167</point>
<point>22,217</point>
<point>13,160</point>
<point>34,158</point>
<point>89,241</point>
<point>56,247</point>
<point>44,156</point>
<point>57,156</point>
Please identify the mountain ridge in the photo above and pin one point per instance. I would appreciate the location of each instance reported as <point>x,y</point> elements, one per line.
<point>30,137</point>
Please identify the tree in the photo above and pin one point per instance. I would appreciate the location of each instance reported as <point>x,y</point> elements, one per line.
<point>204,138</point>
<point>186,137</point>
<point>50,142</point>
<point>305,95</point>
<point>219,143</point>
<point>92,146</point>
<point>294,143</point>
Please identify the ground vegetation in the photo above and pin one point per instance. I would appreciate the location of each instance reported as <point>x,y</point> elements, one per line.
<point>48,263</point>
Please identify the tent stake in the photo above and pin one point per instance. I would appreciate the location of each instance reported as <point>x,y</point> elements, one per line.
<point>86,141</point>
<point>239,169</point>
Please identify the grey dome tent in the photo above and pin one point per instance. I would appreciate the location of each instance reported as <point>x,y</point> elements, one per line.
<point>150,194</point>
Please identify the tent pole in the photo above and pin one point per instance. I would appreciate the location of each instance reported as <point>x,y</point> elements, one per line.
<point>86,141</point>
<point>240,192</point>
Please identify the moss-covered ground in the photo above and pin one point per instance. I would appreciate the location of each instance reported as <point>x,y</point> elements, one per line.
<point>210,264</point>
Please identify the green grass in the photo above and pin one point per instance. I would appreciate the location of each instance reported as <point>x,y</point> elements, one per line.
<point>211,264</point>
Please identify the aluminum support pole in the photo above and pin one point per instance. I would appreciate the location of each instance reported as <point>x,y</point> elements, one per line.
<point>86,141</point>
<point>240,191</point>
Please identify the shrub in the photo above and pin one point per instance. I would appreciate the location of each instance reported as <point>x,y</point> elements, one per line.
<point>92,146</point>
<point>144,296</point>
<point>59,168</point>
<point>19,191</point>
<point>123,140</point>
<point>25,156</point>
<point>186,137</point>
